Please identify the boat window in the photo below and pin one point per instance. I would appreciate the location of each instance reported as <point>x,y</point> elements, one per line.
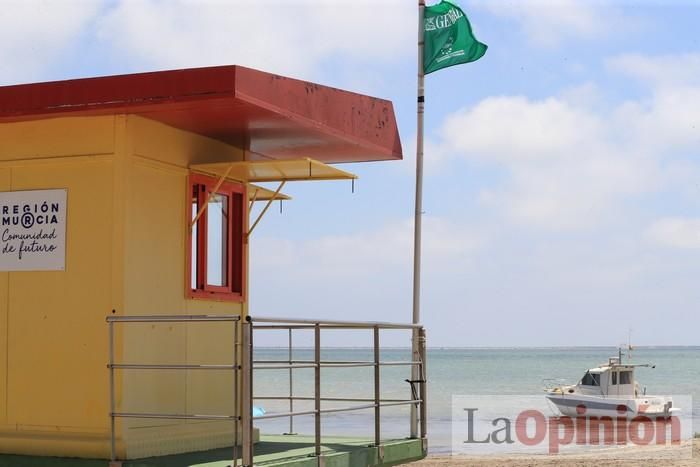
<point>614,378</point>
<point>625,377</point>
<point>590,379</point>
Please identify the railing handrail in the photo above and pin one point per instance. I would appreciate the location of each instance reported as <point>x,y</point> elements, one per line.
<point>329,399</point>
<point>336,409</point>
<point>170,366</point>
<point>169,318</point>
<point>334,363</point>
<point>350,324</point>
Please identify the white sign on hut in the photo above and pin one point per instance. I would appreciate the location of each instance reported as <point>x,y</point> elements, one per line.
<point>33,230</point>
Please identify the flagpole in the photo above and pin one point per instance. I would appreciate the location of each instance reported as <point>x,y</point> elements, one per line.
<point>418,224</point>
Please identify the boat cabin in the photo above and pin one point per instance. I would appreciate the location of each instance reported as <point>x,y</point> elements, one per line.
<point>613,379</point>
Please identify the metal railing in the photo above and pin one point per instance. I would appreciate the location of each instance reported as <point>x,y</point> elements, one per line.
<point>243,382</point>
<point>417,399</point>
<point>235,367</point>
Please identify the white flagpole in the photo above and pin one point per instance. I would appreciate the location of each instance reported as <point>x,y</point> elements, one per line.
<point>418,224</point>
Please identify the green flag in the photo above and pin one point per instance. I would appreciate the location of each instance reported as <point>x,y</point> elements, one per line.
<point>448,38</point>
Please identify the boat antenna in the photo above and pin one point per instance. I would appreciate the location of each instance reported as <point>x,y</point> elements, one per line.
<point>629,344</point>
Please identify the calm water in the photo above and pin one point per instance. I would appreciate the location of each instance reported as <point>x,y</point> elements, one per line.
<point>456,372</point>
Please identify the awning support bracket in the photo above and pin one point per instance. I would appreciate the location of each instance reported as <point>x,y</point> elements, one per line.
<point>211,194</point>
<point>254,199</point>
<point>267,206</point>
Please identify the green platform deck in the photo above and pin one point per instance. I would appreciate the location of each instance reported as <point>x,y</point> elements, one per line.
<point>271,451</point>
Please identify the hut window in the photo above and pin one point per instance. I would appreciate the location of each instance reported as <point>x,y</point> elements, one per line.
<point>215,244</point>
<point>217,240</point>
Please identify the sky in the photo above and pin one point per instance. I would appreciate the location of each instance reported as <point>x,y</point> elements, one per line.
<point>562,186</point>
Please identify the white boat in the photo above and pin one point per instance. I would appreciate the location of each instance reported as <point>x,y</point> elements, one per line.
<point>610,390</point>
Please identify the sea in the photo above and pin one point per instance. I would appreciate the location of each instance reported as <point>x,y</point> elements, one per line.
<point>450,372</point>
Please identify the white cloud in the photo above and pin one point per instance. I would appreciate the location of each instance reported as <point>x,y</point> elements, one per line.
<point>572,160</point>
<point>34,34</point>
<point>676,232</point>
<point>287,37</point>
<point>369,253</point>
<point>670,119</point>
<point>567,165</point>
<point>364,275</point>
<point>436,155</point>
<point>662,70</point>
<point>584,96</point>
<point>517,130</point>
<point>549,22</point>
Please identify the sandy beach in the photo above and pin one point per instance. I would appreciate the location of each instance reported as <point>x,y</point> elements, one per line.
<point>642,458</point>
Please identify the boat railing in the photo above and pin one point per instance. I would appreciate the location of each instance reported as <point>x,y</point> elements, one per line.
<point>553,383</point>
<point>244,367</point>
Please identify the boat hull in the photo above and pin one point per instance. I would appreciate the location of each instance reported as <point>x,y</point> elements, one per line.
<point>581,405</point>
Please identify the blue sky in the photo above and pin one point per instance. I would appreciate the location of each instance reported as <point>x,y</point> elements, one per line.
<point>562,192</point>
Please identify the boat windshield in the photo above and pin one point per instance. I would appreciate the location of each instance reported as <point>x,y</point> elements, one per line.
<point>591,379</point>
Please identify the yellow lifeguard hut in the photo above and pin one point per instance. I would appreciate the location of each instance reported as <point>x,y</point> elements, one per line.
<point>130,196</point>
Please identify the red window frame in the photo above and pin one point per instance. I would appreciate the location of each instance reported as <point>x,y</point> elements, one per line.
<point>234,290</point>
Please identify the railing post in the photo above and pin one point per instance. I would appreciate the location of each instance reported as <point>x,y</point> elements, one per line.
<point>377,393</point>
<point>236,394</point>
<point>422,388</point>
<point>317,389</point>
<point>247,392</point>
<point>415,375</point>
<point>291,385</point>
<point>112,435</point>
